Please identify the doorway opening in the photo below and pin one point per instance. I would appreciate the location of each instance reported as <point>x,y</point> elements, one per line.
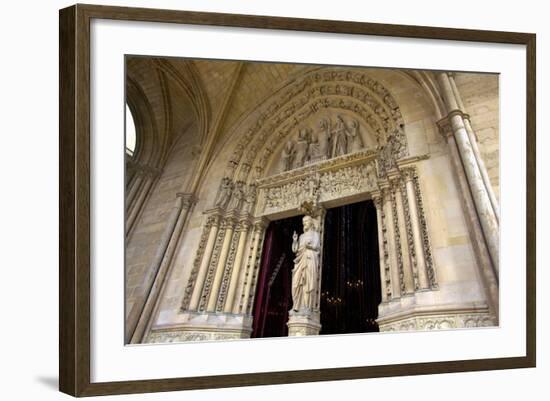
<point>350,282</point>
<point>350,277</point>
<point>273,297</point>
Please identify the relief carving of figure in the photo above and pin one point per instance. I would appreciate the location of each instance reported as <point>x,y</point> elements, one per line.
<point>300,157</point>
<point>339,146</point>
<point>287,156</point>
<point>224,193</point>
<point>305,274</point>
<point>250,198</point>
<point>237,197</point>
<point>313,148</point>
<point>355,142</point>
<point>324,139</point>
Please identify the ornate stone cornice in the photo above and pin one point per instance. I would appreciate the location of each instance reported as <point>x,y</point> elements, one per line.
<point>409,161</point>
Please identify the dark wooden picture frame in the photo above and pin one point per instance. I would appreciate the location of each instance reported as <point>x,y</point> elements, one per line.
<point>74,204</point>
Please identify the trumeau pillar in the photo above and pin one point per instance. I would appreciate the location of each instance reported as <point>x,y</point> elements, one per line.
<point>480,194</point>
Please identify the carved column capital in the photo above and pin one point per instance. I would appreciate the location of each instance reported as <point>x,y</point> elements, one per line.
<point>243,225</point>
<point>408,174</point>
<point>229,222</point>
<point>260,224</point>
<point>385,191</point>
<point>377,198</point>
<point>445,128</point>
<point>213,220</point>
<point>187,199</point>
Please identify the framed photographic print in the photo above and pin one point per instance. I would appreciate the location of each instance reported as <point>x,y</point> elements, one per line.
<point>251,200</point>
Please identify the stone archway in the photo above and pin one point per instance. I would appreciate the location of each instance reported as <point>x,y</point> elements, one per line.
<point>253,192</point>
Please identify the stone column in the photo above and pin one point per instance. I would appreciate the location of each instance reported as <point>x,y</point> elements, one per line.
<point>406,260</point>
<point>391,242</point>
<point>213,297</point>
<point>480,195</point>
<point>473,140</point>
<point>162,262</point>
<point>151,273</point>
<point>235,274</point>
<point>490,278</point>
<point>203,268</point>
<point>415,227</point>
<point>137,205</point>
<point>259,230</point>
<point>385,280</point>
<point>135,185</point>
<point>482,201</point>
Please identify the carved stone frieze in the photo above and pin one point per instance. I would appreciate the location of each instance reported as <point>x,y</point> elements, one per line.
<point>347,181</point>
<point>322,182</point>
<point>176,336</point>
<point>440,322</point>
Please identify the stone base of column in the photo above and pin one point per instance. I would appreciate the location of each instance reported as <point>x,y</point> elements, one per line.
<point>408,314</point>
<point>303,323</point>
<point>440,322</point>
<point>203,326</point>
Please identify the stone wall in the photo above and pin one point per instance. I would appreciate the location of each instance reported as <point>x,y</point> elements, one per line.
<point>480,94</point>
<point>143,240</point>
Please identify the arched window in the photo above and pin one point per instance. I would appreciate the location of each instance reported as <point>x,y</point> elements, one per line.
<point>130,132</point>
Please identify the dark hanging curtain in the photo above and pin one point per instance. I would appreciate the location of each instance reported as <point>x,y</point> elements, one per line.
<point>350,283</point>
<point>273,291</point>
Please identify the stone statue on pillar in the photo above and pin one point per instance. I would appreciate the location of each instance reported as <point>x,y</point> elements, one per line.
<point>305,275</point>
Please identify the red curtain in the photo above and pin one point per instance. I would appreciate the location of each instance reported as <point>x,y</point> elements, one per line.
<point>273,291</point>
